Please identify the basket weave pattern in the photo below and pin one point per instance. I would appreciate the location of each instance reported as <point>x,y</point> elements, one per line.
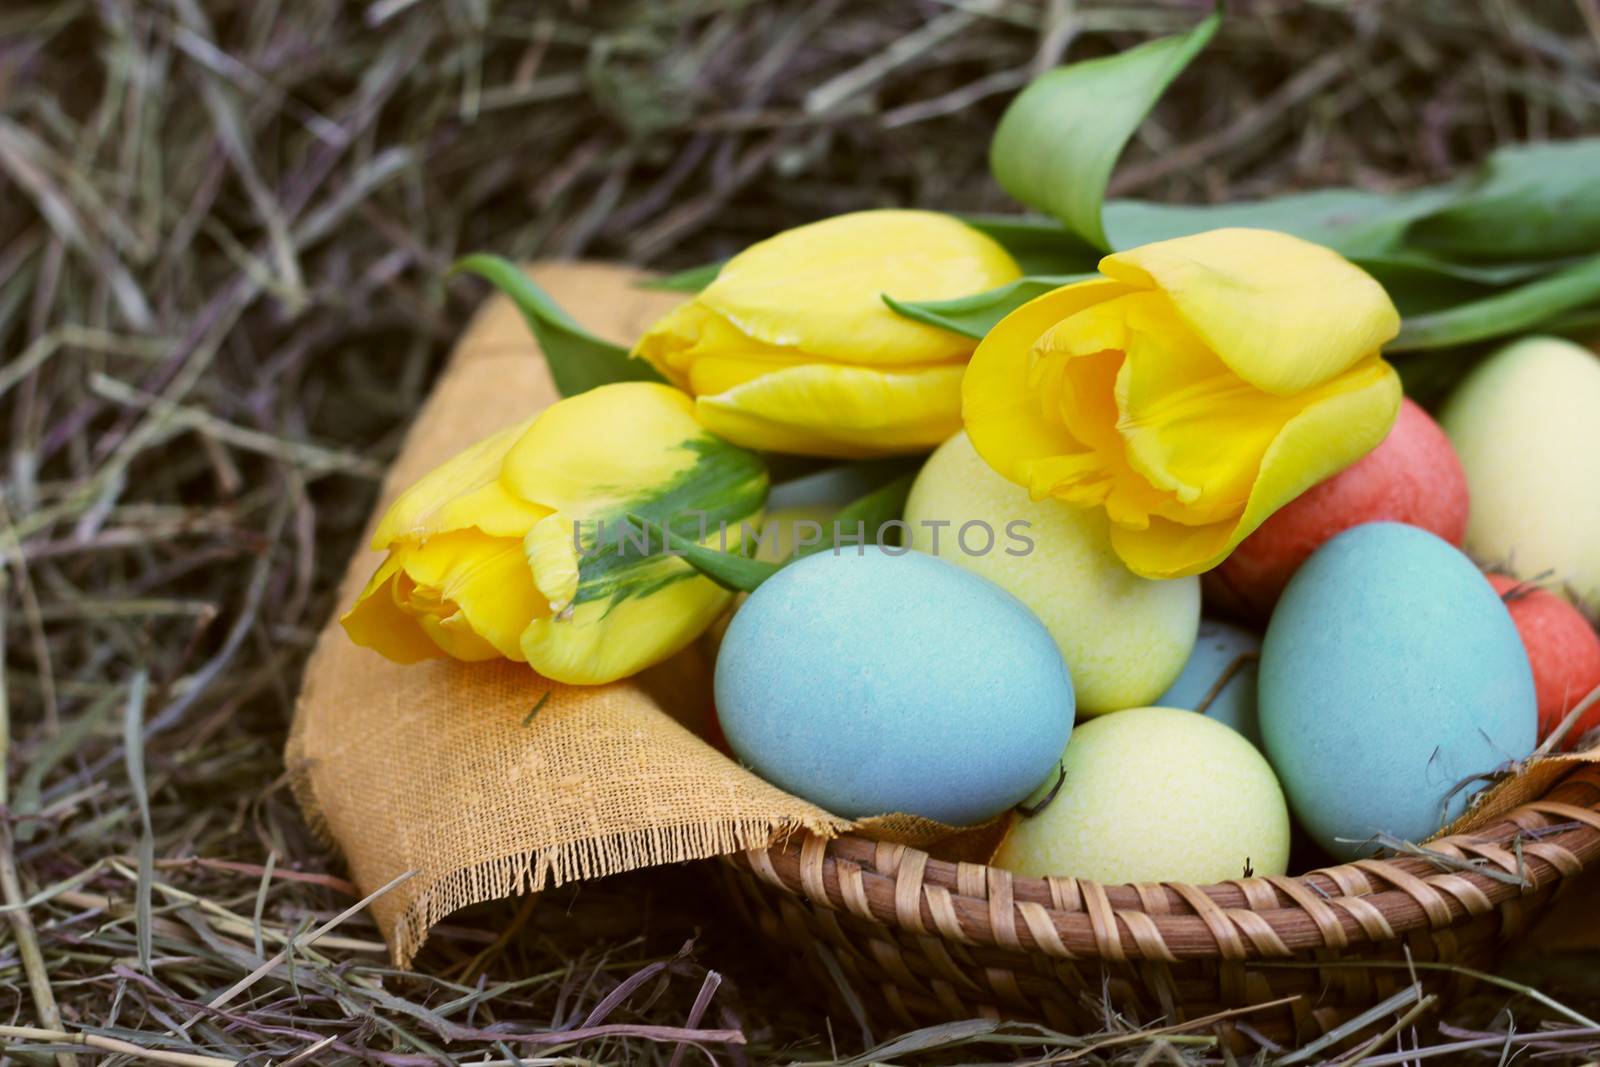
<point>920,940</point>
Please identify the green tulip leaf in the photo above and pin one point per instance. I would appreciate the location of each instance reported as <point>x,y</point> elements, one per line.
<point>1353,222</point>
<point>740,574</point>
<point>1533,201</point>
<point>974,316</point>
<point>686,281</point>
<point>1524,307</point>
<point>1404,266</point>
<point>736,573</point>
<point>1580,323</point>
<point>1039,245</point>
<point>579,361</point>
<point>1060,138</point>
<point>867,514</point>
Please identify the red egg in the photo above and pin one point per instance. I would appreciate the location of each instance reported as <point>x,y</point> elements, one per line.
<point>1563,650</point>
<point>1413,477</point>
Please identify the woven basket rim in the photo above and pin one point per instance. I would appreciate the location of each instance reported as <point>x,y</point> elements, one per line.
<point>1542,842</point>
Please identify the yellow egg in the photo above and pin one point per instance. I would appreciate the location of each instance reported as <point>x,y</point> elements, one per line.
<point>1125,638</point>
<point>1152,795</point>
<point>1526,423</point>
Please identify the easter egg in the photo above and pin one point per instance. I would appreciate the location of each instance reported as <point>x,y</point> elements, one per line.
<point>1151,795</point>
<point>1412,477</point>
<point>1391,674</point>
<point>1562,648</point>
<point>1125,638</point>
<point>1220,678</point>
<point>783,530</point>
<point>1525,424</point>
<point>874,681</point>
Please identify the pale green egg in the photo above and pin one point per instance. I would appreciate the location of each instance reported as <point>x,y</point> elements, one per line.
<point>1125,638</point>
<point>1526,423</point>
<point>1151,795</point>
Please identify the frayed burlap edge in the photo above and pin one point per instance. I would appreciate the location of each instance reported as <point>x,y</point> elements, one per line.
<point>508,876</point>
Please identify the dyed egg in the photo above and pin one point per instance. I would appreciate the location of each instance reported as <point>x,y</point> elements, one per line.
<point>1153,795</point>
<point>1562,648</point>
<point>1125,638</point>
<point>1526,423</point>
<point>1412,477</point>
<point>890,681</point>
<point>1220,678</point>
<point>1391,674</point>
<point>783,529</point>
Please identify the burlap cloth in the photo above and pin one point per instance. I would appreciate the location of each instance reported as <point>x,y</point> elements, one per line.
<point>443,769</point>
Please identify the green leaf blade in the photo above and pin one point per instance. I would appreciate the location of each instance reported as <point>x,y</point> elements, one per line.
<point>1526,307</point>
<point>1039,245</point>
<point>868,513</point>
<point>691,280</point>
<point>578,360</point>
<point>974,316</point>
<point>738,574</point>
<point>1352,222</point>
<point>1529,201</point>
<point>1060,138</point>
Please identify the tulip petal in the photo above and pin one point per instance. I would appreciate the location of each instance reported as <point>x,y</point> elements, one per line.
<point>551,548</point>
<point>1168,549</point>
<point>719,374</point>
<point>693,334</point>
<point>376,621</point>
<point>464,491</point>
<point>1088,348</point>
<point>1344,421</point>
<point>819,288</point>
<point>487,581</point>
<point>1284,314</point>
<point>822,409</point>
<point>597,458</point>
<point>634,603</point>
<point>593,451</point>
<point>454,634</point>
<point>1188,425</point>
<point>511,536</point>
<point>1005,420</point>
<point>600,641</point>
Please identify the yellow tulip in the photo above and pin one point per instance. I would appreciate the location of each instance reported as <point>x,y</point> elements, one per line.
<point>1200,385</point>
<point>518,547</point>
<point>792,349</point>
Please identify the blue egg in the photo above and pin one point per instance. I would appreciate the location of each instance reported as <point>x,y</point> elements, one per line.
<point>1391,674</point>
<point>892,681</point>
<point>1224,655</point>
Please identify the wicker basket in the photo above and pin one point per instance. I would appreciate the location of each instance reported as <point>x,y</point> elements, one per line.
<point>918,940</point>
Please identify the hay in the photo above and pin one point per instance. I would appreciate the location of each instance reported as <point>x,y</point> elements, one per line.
<point>223,229</point>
